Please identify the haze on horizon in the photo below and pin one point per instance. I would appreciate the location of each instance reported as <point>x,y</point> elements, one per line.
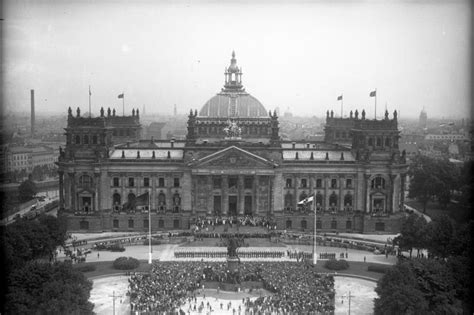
<point>298,56</point>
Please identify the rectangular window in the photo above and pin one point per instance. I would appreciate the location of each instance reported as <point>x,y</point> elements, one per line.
<point>131,181</point>
<point>319,183</point>
<point>176,182</point>
<point>349,183</point>
<point>248,183</point>
<point>161,223</point>
<point>288,183</point>
<point>304,183</point>
<point>145,223</point>
<point>232,182</point>
<point>333,224</point>
<point>146,182</point>
<point>348,225</point>
<point>161,182</point>
<point>217,183</point>
<point>116,224</point>
<point>130,224</point>
<point>116,182</point>
<point>333,183</point>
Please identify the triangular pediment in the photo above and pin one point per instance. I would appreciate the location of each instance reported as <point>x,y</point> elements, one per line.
<point>233,157</point>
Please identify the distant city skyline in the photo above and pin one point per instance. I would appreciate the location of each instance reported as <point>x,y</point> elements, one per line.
<point>299,55</point>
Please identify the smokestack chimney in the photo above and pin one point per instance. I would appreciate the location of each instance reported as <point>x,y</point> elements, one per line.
<point>32,112</point>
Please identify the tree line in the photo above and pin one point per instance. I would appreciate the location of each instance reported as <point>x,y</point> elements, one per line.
<point>35,281</point>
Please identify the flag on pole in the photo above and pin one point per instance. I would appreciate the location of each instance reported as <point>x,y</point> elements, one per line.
<point>142,200</point>
<point>373,94</point>
<point>90,93</point>
<point>306,200</point>
<point>120,95</point>
<point>339,98</point>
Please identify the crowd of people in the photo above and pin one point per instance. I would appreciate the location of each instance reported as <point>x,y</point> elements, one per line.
<point>204,223</point>
<point>222,254</point>
<point>295,288</point>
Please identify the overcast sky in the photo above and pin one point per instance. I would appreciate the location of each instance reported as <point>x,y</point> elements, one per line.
<point>299,56</point>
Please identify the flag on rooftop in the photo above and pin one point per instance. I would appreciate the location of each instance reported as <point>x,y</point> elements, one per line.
<point>373,93</point>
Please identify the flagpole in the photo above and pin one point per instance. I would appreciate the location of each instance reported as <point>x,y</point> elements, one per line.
<point>375,104</point>
<point>89,101</point>
<point>342,104</point>
<point>150,255</point>
<point>315,258</point>
<point>123,104</point>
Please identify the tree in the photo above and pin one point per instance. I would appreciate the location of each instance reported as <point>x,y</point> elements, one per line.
<point>27,190</point>
<point>440,233</point>
<point>418,286</point>
<point>432,178</point>
<point>412,233</point>
<point>45,288</point>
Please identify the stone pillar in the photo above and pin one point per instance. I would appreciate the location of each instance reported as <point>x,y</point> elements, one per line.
<point>326,182</point>
<point>153,193</point>
<point>169,192</point>
<point>240,198</point>
<point>123,192</point>
<point>61,190</point>
<point>295,192</point>
<point>96,191</point>
<point>392,192</point>
<point>194,195</point>
<point>341,193</point>
<point>271,180</point>
<point>210,195</point>
<point>225,195</point>
<point>72,186</point>
<point>367,193</point>
<point>255,201</point>
<point>402,191</point>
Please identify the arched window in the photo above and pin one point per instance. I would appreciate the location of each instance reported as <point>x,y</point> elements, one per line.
<point>387,142</point>
<point>371,141</point>
<point>161,199</point>
<point>379,141</point>
<point>176,202</point>
<point>378,183</point>
<point>116,201</point>
<point>85,181</point>
<point>304,183</point>
<point>348,200</point>
<point>288,224</point>
<point>94,139</point>
<point>319,224</point>
<point>288,201</point>
<point>333,200</point>
<point>131,201</point>
<point>78,139</point>
<point>288,183</point>
<point>319,200</point>
<point>86,139</point>
<point>334,224</point>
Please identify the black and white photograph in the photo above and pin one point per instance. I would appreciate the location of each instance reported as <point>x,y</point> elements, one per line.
<point>236,157</point>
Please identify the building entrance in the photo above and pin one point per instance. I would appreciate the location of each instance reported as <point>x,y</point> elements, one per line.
<point>232,205</point>
<point>217,205</point>
<point>248,205</point>
<point>86,203</point>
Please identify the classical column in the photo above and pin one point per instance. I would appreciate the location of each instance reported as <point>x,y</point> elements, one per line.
<point>326,192</point>
<point>367,193</point>
<point>341,193</point>
<point>392,192</point>
<point>61,190</point>
<point>240,198</point>
<point>402,191</point>
<point>72,180</point>
<point>210,196</point>
<point>271,180</point>
<point>96,191</point>
<point>255,209</point>
<point>194,194</point>
<point>153,192</point>
<point>295,192</point>
<point>169,193</point>
<point>225,196</point>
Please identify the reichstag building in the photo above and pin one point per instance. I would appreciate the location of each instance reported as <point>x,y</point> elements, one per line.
<point>232,163</point>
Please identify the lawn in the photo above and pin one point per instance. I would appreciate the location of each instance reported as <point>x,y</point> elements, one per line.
<point>433,209</point>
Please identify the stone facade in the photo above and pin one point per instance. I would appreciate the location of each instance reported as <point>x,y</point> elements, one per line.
<point>232,165</point>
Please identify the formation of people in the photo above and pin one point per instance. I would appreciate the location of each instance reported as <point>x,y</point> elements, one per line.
<point>204,223</point>
<point>295,288</point>
<point>223,254</point>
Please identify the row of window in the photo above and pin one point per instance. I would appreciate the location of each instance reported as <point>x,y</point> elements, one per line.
<point>304,183</point>
<point>378,142</point>
<point>146,182</point>
<point>84,225</point>
<point>333,200</point>
<point>379,226</point>
<point>85,139</point>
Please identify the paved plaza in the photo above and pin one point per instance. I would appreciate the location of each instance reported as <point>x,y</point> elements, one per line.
<point>361,291</point>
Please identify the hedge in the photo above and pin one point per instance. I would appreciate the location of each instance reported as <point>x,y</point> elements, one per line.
<point>85,268</point>
<point>126,263</point>
<point>379,268</point>
<point>334,264</point>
